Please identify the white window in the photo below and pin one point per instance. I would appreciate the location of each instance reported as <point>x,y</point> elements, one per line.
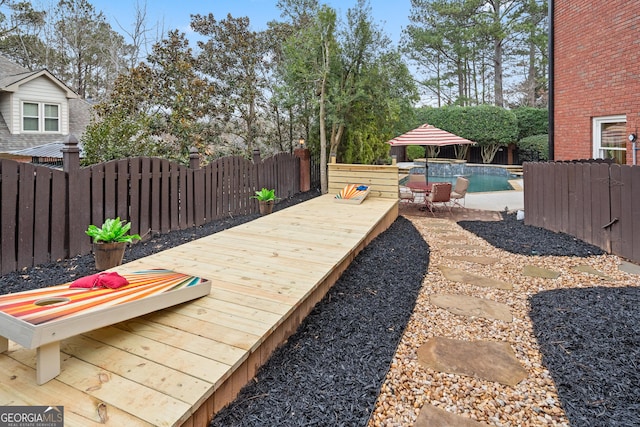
<point>610,138</point>
<point>40,117</point>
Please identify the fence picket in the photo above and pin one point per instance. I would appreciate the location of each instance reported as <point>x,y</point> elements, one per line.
<point>616,229</point>
<point>61,235</point>
<point>41,211</point>
<point>26,215</point>
<point>134,195</point>
<point>8,207</point>
<point>110,192</point>
<point>144,196</point>
<point>155,191</point>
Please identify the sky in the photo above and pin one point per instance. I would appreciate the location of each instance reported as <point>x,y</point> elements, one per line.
<point>391,15</point>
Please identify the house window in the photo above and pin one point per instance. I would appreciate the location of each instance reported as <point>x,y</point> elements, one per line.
<point>609,138</point>
<point>38,117</point>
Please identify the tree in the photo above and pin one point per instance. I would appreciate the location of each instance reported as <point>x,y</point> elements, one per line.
<point>234,56</point>
<point>308,56</point>
<point>498,22</point>
<point>157,109</point>
<point>17,15</point>
<point>20,26</point>
<point>92,53</point>
<point>470,48</point>
<point>442,36</point>
<point>533,39</point>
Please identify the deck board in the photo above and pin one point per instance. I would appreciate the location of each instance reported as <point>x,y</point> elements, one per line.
<point>178,365</point>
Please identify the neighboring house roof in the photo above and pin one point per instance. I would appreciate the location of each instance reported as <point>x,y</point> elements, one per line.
<point>52,150</point>
<point>12,76</point>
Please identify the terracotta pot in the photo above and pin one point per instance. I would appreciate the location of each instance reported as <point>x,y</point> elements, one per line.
<point>108,255</point>
<point>266,206</point>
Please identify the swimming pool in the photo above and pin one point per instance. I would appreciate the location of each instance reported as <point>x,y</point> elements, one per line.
<point>480,183</point>
<point>481,178</point>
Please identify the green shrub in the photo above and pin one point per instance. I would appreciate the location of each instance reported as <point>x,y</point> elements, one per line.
<point>532,121</point>
<point>534,148</point>
<point>415,152</point>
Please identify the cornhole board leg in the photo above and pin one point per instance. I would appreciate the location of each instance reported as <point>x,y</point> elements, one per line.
<point>4,344</point>
<point>47,362</point>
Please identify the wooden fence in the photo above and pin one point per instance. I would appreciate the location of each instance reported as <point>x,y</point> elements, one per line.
<point>595,202</point>
<point>44,212</point>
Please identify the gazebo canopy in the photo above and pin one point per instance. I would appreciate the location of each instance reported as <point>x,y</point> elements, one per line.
<point>428,135</point>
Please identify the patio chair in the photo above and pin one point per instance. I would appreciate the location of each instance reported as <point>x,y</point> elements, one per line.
<point>440,193</point>
<point>459,192</point>
<point>417,178</point>
<point>405,195</point>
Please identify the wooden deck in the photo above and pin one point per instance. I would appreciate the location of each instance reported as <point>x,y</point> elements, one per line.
<point>181,365</point>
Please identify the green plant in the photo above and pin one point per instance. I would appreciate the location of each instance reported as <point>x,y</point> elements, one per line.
<point>415,152</point>
<point>265,195</point>
<point>532,121</point>
<point>113,230</point>
<point>534,148</point>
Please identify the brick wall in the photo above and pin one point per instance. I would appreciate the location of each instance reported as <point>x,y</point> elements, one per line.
<point>597,70</point>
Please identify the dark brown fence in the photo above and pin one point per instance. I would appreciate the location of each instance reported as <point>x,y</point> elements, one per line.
<point>44,212</point>
<point>595,202</point>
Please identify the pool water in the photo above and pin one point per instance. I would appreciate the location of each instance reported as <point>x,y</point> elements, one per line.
<point>480,183</point>
<point>477,183</point>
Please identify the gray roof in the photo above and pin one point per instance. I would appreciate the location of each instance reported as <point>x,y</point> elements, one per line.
<point>50,150</point>
<point>9,69</point>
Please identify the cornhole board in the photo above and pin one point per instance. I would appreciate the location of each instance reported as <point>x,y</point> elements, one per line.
<point>41,318</point>
<point>351,195</point>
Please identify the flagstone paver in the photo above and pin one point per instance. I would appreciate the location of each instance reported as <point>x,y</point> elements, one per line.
<point>453,238</point>
<point>488,360</point>
<point>431,416</point>
<point>533,271</point>
<point>484,260</point>
<point>583,268</point>
<point>465,305</point>
<point>461,276</point>
<point>464,247</point>
<point>628,267</point>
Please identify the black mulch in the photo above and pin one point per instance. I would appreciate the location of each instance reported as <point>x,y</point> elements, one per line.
<point>330,371</point>
<point>513,236</point>
<point>590,341</point>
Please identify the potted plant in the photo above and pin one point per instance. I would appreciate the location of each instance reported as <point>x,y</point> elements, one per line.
<point>266,199</point>
<point>109,242</point>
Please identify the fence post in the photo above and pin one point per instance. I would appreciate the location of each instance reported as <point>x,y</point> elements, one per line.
<point>70,154</point>
<point>256,156</point>
<point>305,168</point>
<point>71,166</point>
<point>194,158</point>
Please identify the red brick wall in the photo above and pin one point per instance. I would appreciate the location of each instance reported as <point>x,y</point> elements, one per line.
<point>597,71</point>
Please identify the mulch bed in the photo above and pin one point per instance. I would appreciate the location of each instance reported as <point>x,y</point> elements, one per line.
<point>590,341</point>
